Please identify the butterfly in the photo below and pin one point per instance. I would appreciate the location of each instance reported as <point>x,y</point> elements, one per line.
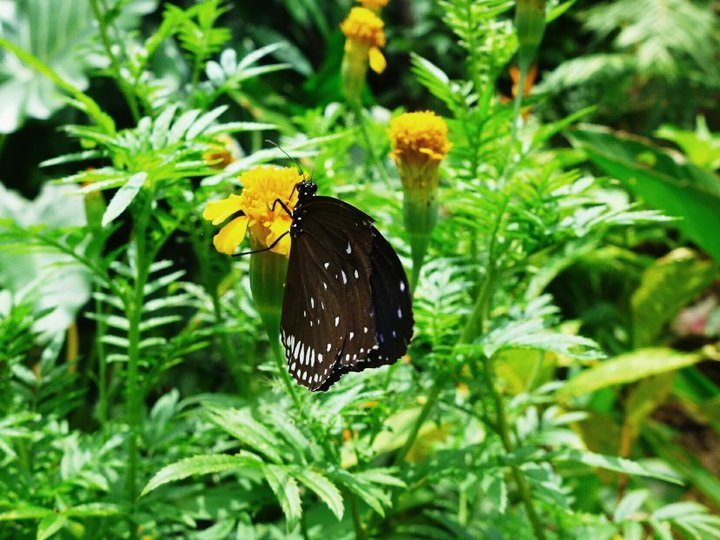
<point>347,304</point>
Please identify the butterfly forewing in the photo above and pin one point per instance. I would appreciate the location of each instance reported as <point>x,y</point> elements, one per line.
<point>327,323</point>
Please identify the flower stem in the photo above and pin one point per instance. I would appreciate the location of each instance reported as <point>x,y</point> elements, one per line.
<point>282,368</point>
<point>514,127</point>
<point>376,161</point>
<point>133,392</point>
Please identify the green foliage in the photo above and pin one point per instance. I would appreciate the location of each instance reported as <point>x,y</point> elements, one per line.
<point>535,395</point>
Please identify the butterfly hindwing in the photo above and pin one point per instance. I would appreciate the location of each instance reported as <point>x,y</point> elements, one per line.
<point>392,304</point>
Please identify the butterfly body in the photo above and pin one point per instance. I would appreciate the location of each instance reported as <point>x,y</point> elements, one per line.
<point>347,303</point>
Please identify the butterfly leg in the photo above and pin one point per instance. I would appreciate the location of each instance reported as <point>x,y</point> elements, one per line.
<point>275,243</point>
<point>283,206</point>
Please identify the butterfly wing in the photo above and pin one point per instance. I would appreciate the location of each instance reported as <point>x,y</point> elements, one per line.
<point>327,322</point>
<point>392,305</point>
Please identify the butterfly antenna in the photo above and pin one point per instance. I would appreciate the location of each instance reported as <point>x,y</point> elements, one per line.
<point>295,161</point>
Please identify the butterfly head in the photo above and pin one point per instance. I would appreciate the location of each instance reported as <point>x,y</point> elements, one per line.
<point>306,190</point>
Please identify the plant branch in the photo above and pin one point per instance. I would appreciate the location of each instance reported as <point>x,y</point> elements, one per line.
<point>122,82</point>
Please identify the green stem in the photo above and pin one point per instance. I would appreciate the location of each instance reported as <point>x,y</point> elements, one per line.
<point>290,386</point>
<point>133,392</point>
<point>504,432</point>
<point>357,520</point>
<point>419,421</point>
<point>473,328</point>
<point>201,254</point>
<point>513,128</point>
<point>122,82</point>
<point>102,365</point>
<point>377,163</point>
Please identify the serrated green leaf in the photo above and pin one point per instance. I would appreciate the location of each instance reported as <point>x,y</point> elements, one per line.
<point>203,464</point>
<point>240,424</point>
<point>678,510</point>
<point>612,463</point>
<point>381,476</point>
<point>123,197</point>
<point>629,504</point>
<point>204,122</point>
<point>324,489</point>
<point>372,496</point>
<point>286,490</point>
<point>627,368</point>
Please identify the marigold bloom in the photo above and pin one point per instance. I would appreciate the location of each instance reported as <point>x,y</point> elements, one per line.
<point>419,144</point>
<point>262,186</point>
<point>365,35</point>
<point>375,5</point>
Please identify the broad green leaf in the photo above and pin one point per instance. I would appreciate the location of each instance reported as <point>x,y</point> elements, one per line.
<point>324,489</point>
<point>286,490</point>
<point>611,463</point>
<point>665,288</point>
<point>123,197</point>
<point>25,511</point>
<point>678,189</point>
<point>627,368</point>
<point>93,509</point>
<point>203,464</point>
<point>646,396</point>
<point>50,524</point>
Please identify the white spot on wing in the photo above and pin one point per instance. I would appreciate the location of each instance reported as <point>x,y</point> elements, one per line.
<point>337,321</point>
<point>348,250</point>
<point>402,286</point>
<point>352,334</point>
<point>326,265</point>
<point>344,277</point>
<point>357,276</point>
<point>312,302</point>
<point>399,313</point>
<point>329,347</point>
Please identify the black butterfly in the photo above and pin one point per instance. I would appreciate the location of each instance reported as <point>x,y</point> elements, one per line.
<point>347,301</point>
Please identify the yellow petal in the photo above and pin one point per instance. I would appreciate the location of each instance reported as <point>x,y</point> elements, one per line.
<point>377,60</point>
<point>219,211</point>
<point>231,235</point>
<point>277,229</point>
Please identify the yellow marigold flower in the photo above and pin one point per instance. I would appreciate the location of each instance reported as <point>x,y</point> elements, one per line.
<point>375,5</point>
<point>262,186</point>
<point>365,35</point>
<point>419,144</point>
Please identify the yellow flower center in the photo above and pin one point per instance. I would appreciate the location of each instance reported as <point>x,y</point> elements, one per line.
<point>419,136</point>
<point>364,27</point>
<point>266,218</point>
